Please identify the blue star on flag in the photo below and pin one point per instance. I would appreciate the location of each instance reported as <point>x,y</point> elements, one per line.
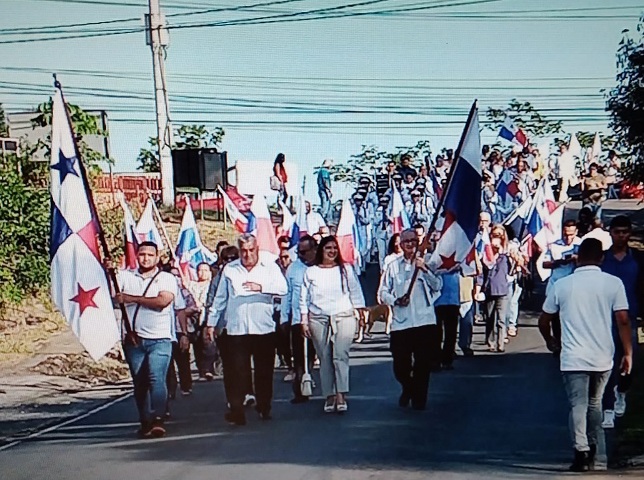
<point>65,166</point>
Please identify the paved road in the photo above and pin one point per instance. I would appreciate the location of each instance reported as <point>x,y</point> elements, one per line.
<point>494,416</point>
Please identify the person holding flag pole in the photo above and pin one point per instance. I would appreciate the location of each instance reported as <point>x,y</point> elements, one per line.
<point>81,288</point>
<point>415,339</point>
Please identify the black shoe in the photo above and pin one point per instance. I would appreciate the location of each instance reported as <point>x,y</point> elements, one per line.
<point>167,416</point>
<point>591,457</point>
<point>144,430</point>
<point>403,400</point>
<point>157,430</point>
<point>234,419</point>
<point>418,406</point>
<point>448,366</point>
<point>581,462</point>
<point>264,414</point>
<point>301,399</point>
<point>435,368</point>
<point>468,352</point>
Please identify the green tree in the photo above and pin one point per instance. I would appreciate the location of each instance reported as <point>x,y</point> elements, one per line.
<point>625,101</point>
<point>524,116</point>
<point>24,233</point>
<point>185,137</point>
<point>24,208</point>
<point>4,128</point>
<point>83,124</point>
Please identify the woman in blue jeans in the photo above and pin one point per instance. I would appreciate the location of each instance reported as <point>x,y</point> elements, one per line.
<point>496,288</point>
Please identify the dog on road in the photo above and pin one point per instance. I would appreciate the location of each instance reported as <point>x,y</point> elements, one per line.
<point>369,315</point>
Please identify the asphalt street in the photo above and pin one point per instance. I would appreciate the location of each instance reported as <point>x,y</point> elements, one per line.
<point>494,416</point>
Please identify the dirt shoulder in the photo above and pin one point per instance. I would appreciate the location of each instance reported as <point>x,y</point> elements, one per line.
<point>56,382</point>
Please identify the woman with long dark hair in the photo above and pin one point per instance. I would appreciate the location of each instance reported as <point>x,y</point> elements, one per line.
<point>280,172</point>
<point>330,293</point>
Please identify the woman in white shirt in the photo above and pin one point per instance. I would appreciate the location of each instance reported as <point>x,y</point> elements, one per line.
<point>330,293</point>
<point>394,250</point>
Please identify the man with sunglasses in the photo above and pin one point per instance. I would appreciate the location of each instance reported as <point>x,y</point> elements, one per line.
<point>628,265</point>
<point>306,250</point>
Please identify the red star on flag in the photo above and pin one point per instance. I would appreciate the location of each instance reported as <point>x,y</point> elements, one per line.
<point>447,263</point>
<point>85,298</point>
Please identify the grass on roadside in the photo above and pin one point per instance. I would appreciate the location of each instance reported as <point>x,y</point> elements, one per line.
<point>25,327</point>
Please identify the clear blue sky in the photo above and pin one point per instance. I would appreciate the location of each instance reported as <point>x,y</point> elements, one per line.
<point>414,66</point>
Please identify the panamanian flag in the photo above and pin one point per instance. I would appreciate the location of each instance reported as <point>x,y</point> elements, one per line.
<point>461,207</point>
<point>512,134</point>
<point>79,286</point>
<point>190,251</point>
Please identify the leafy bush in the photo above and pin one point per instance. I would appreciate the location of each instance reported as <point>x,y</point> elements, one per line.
<point>24,234</point>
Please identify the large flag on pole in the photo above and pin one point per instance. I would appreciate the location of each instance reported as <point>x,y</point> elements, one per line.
<point>79,286</point>
<point>461,214</point>
<point>190,251</point>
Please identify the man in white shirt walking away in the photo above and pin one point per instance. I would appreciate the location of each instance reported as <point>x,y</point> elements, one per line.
<point>586,302</point>
<point>245,298</point>
<point>415,337</point>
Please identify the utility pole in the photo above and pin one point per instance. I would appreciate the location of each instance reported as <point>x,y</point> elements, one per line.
<point>158,39</point>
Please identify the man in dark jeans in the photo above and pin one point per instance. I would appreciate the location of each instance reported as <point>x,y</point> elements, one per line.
<point>149,295</point>
<point>628,265</point>
<point>245,298</point>
<point>447,312</point>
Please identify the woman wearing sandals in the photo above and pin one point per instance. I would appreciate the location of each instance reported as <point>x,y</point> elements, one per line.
<point>330,293</point>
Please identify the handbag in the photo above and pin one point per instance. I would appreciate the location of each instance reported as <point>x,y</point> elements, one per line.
<point>276,183</point>
<point>132,339</point>
<point>306,384</point>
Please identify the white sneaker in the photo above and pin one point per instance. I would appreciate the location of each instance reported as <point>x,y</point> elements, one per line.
<point>609,419</point>
<point>620,403</point>
<point>249,400</point>
<point>290,376</point>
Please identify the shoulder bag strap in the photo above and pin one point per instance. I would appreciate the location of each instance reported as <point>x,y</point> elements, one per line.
<point>136,310</point>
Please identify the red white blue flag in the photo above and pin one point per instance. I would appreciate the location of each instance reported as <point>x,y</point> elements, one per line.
<point>129,234</point>
<point>512,134</point>
<point>240,221</point>
<point>146,229</point>
<point>461,206</point>
<point>347,235</point>
<point>79,286</point>
<point>261,226</point>
<point>190,251</point>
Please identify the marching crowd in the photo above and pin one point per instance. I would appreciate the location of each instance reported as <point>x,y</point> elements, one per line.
<point>243,310</point>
